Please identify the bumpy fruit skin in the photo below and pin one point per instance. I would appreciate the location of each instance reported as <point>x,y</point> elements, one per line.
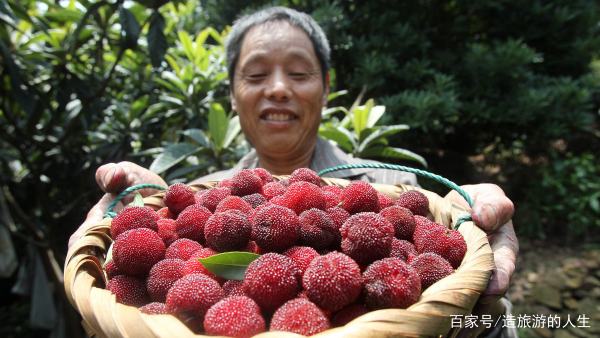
<point>402,219</point>
<point>333,189</point>
<point>415,201</point>
<point>338,215</point>
<point>348,314</point>
<point>193,265</point>
<point>331,199</point>
<point>264,175</point>
<point>431,268</point>
<point>450,244</point>
<point>253,247</point>
<point>255,200</point>
<point>136,251</point>
<point>317,229</point>
<point>190,222</point>
<point>111,270</point>
<point>403,249</point>
<point>384,200</point>
<point>273,189</point>
<point>423,225</point>
<point>246,182</point>
<point>167,230</point>
<point>162,276</point>
<point>211,198</point>
<point>178,197</point>
<point>227,231</point>
<point>301,196</point>
<point>360,196</point>
<point>391,283</point>
<point>332,281</point>
<point>182,248</point>
<point>275,228</point>
<point>271,280</point>
<point>300,316</point>
<point>154,308</point>
<point>133,218</point>
<point>233,203</point>
<point>164,212</point>
<point>233,288</point>
<point>305,175</point>
<point>302,256</point>
<point>128,290</point>
<point>366,237</point>
<point>193,295</point>
<point>236,316</point>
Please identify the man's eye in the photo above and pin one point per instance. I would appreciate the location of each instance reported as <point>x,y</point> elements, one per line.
<point>256,76</point>
<point>299,75</point>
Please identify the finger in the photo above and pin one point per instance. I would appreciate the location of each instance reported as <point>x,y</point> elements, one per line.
<point>505,247</point>
<point>111,178</point>
<point>491,207</point>
<point>115,177</point>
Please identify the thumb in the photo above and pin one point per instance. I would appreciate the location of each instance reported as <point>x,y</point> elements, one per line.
<point>115,177</point>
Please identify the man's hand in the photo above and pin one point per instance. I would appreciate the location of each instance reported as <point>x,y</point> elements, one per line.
<point>112,178</point>
<point>492,211</point>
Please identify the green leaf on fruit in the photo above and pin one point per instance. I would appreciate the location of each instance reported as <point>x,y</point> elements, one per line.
<point>138,200</point>
<point>229,265</point>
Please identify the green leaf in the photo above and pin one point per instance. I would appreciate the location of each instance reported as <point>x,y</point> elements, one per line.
<point>229,265</point>
<point>173,154</point>
<point>157,42</point>
<point>186,43</point>
<point>233,131</point>
<point>330,111</point>
<point>393,153</point>
<point>138,200</point>
<point>130,28</point>
<point>380,133</point>
<point>334,95</point>
<point>360,117</point>
<point>339,135</point>
<point>374,115</point>
<point>197,135</point>
<point>63,15</point>
<point>217,125</point>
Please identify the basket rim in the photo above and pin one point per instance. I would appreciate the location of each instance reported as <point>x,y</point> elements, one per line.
<point>84,281</point>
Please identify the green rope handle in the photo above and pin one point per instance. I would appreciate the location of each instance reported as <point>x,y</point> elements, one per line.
<point>110,213</point>
<point>419,172</point>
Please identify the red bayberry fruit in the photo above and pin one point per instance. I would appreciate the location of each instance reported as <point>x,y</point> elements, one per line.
<point>332,281</point>
<point>391,283</point>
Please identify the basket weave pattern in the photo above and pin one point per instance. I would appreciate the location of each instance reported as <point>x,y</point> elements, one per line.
<point>456,294</point>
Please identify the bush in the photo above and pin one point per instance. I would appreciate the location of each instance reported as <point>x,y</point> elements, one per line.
<point>565,201</point>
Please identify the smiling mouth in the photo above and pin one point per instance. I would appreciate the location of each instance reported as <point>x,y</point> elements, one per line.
<point>278,117</point>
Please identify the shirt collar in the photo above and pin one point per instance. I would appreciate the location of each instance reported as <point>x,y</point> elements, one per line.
<point>326,155</point>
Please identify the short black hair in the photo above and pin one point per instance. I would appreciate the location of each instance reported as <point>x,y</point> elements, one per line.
<point>301,20</point>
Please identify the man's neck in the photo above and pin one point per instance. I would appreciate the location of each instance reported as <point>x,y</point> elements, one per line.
<point>285,166</point>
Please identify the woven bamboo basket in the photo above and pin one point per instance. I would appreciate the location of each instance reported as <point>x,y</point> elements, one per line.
<point>431,316</point>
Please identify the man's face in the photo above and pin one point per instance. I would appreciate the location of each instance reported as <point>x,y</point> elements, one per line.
<point>278,90</point>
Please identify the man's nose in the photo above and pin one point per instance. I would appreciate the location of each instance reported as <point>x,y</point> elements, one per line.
<point>278,87</point>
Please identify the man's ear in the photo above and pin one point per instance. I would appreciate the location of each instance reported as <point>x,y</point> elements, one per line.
<point>326,89</point>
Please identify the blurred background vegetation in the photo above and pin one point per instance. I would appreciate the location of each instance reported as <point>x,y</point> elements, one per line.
<point>499,91</point>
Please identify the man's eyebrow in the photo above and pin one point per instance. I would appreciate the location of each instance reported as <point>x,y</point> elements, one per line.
<point>292,54</point>
<point>254,57</point>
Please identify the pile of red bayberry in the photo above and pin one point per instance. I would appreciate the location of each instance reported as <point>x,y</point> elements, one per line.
<point>327,254</point>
